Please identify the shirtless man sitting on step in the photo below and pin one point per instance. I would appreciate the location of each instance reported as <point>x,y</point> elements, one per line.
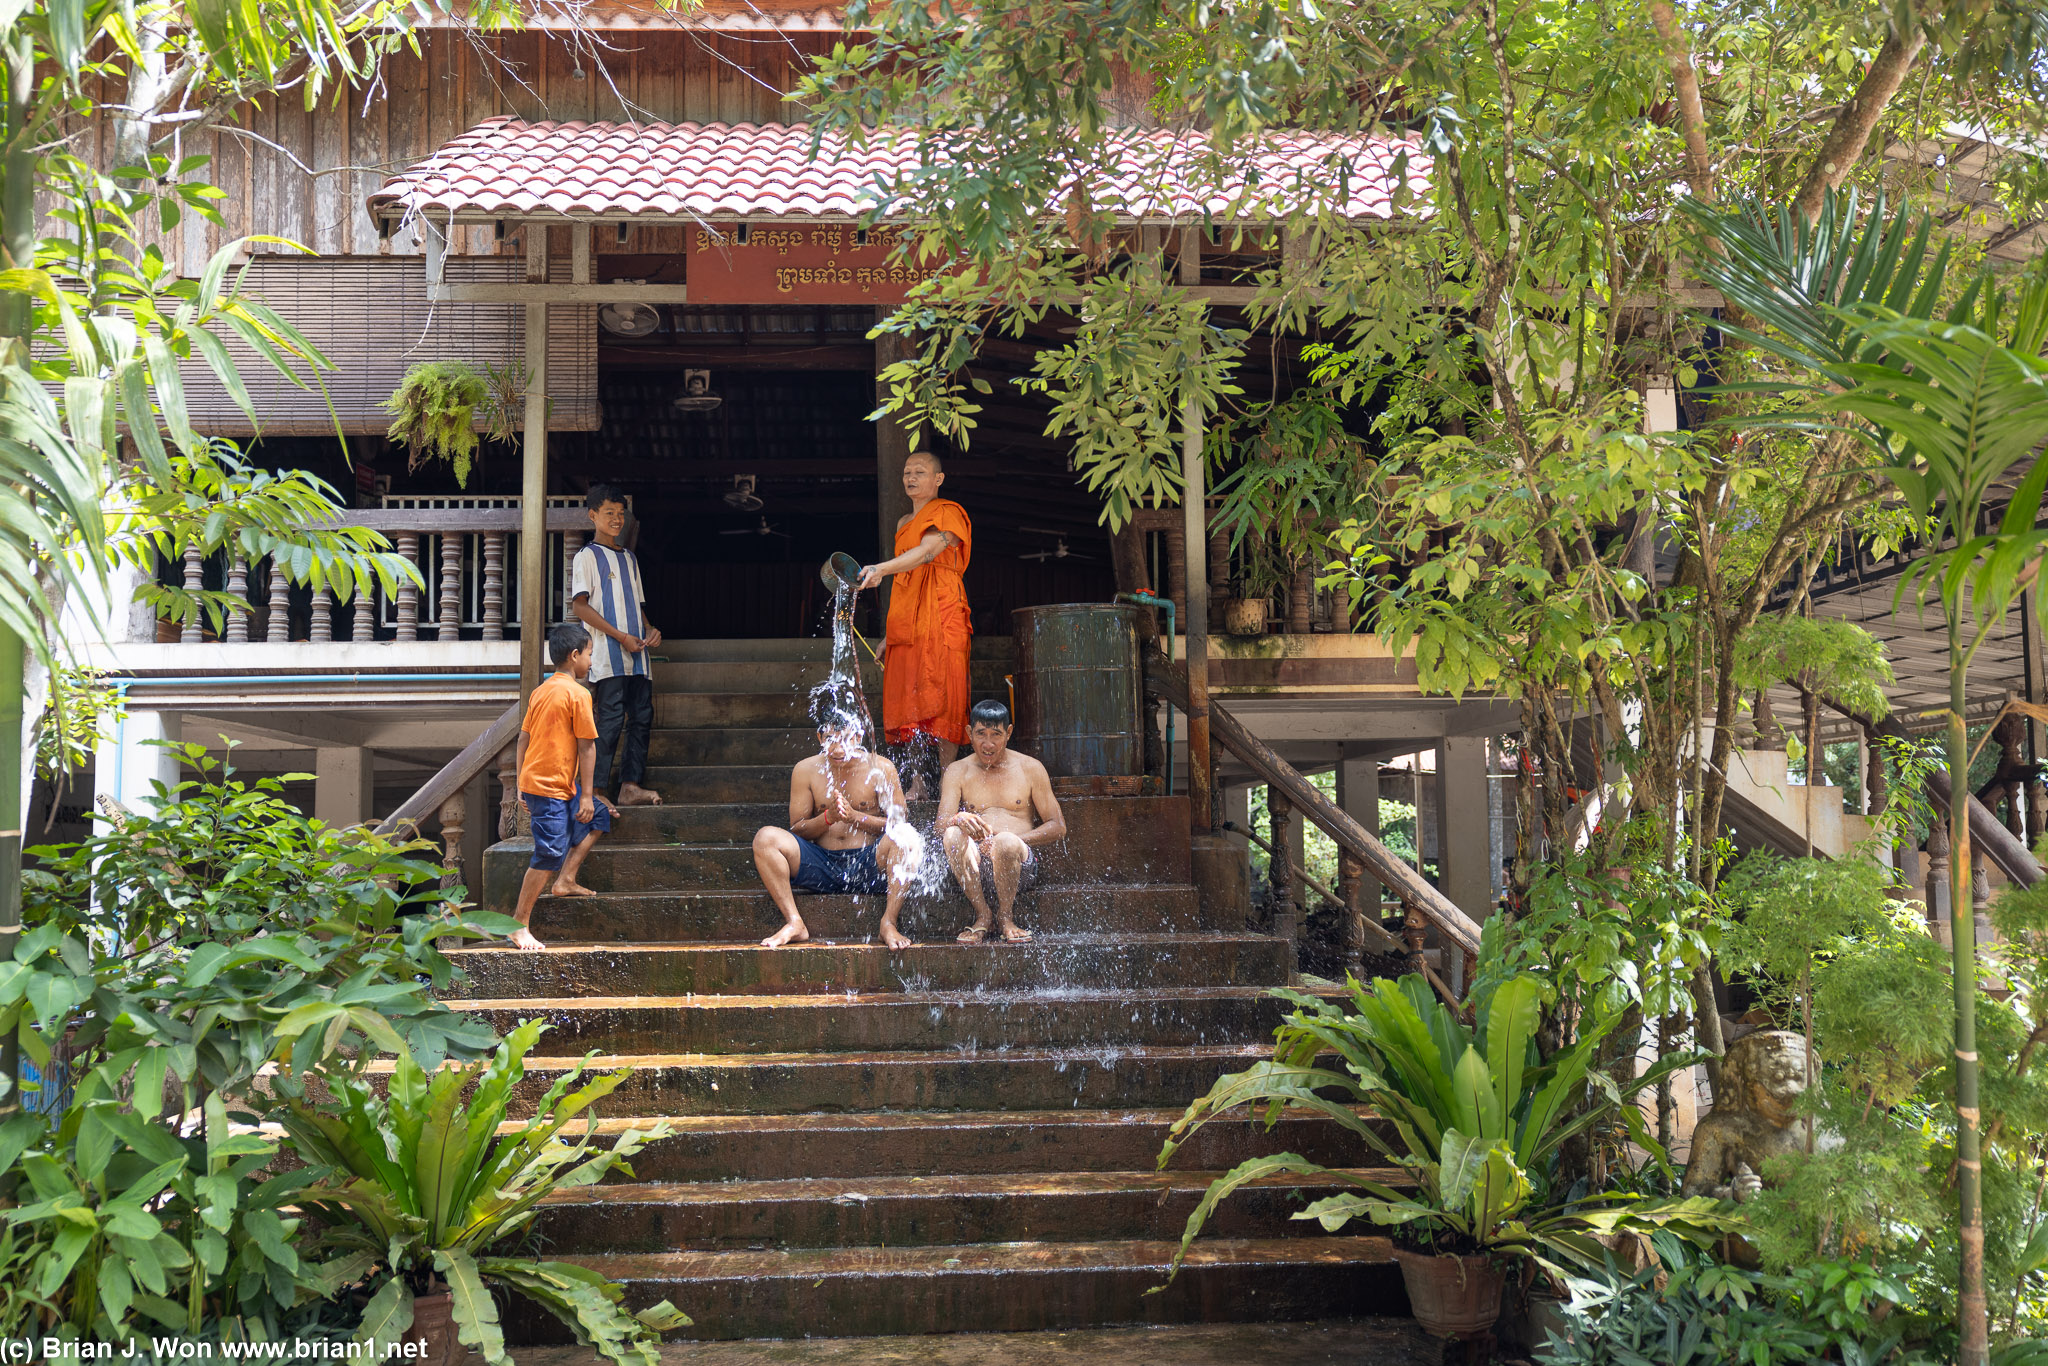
<point>996,810</point>
<point>847,834</point>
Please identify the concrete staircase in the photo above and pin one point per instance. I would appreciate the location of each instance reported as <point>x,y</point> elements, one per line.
<point>1763,778</point>
<point>953,1138</point>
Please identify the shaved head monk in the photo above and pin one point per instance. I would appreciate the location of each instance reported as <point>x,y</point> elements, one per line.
<point>924,665</point>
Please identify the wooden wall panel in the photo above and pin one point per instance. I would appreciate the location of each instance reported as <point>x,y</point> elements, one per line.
<point>306,175</point>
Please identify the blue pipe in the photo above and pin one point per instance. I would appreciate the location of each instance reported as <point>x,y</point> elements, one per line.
<point>1149,599</point>
<point>212,679</point>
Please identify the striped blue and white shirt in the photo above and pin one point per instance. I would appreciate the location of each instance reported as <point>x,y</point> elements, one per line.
<point>611,580</point>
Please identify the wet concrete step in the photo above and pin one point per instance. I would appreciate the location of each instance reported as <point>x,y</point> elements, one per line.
<point>998,1287</point>
<point>985,649</point>
<point>778,710</point>
<point>714,867</point>
<point>794,1083</point>
<point>720,1147</point>
<point>889,1021</point>
<point>795,678</point>
<point>1101,830</point>
<point>722,917</point>
<point>921,1211</point>
<point>731,745</point>
<point>1079,961</point>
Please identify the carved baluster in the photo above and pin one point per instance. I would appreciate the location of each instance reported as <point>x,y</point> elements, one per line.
<point>408,591</point>
<point>2037,800</point>
<point>1350,890</point>
<point>2012,765</point>
<point>451,586</point>
<point>195,570</point>
<point>454,816</point>
<point>1874,790</point>
<point>238,588</point>
<point>1177,571</point>
<point>1300,591</point>
<point>572,542</point>
<point>511,811</point>
<point>1937,873</point>
<point>1416,934</point>
<point>322,629</point>
<point>279,628</point>
<point>494,585</point>
<point>1280,869</point>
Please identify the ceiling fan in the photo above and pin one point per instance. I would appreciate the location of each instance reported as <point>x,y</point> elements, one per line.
<point>1059,549</point>
<point>741,496</point>
<point>1058,552</point>
<point>696,396</point>
<point>762,530</point>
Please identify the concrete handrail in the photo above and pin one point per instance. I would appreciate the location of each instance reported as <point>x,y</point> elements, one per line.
<point>1409,887</point>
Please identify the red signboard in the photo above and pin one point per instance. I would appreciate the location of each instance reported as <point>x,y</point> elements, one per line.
<point>797,263</point>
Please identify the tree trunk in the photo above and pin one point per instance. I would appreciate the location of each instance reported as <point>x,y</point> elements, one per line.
<point>1858,120</point>
<point>17,250</point>
<point>1972,1307</point>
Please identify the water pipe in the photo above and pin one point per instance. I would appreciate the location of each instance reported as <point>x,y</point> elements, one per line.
<point>1149,599</point>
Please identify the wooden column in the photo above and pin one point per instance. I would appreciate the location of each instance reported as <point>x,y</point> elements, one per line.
<point>494,585</point>
<point>194,628</point>
<point>1300,593</point>
<point>1358,793</point>
<point>533,518</point>
<point>1938,889</point>
<point>2034,687</point>
<point>451,587</point>
<point>892,448</point>
<point>1875,794</point>
<point>1280,868</point>
<point>408,591</point>
<point>238,587</point>
<point>1195,532</point>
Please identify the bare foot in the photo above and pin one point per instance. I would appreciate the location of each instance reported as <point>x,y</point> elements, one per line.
<point>788,934</point>
<point>570,889</point>
<point>1014,935</point>
<point>974,934</point>
<point>895,938</point>
<point>632,794</point>
<point>522,938</point>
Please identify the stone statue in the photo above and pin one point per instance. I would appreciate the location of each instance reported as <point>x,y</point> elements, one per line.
<point>1752,1121</point>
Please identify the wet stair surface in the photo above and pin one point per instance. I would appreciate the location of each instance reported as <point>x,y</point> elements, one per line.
<point>951,1138</point>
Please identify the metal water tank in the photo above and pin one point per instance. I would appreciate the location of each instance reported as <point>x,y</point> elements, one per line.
<point>1079,687</point>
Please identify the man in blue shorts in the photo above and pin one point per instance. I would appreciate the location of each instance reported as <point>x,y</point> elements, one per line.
<point>848,834</point>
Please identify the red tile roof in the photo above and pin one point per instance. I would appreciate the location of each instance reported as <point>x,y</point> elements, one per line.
<point>510,168</point>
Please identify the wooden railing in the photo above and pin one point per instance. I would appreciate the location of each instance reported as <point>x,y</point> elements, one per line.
<point>1424,907</point>
<point>468,562</point>
<point>442,794</point>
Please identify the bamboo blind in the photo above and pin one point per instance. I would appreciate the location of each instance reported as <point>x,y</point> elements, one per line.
<point>371,317</point>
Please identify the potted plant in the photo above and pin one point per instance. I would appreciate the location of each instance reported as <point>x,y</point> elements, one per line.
<point>437,406</point>
<point>1297,470</point>
<point>1476,1114</point>
<point>429,1182</point>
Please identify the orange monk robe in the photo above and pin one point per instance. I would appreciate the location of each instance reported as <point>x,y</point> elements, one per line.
<point>924,665</point>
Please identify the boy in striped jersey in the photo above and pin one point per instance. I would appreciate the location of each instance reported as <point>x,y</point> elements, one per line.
<point>604,587</point>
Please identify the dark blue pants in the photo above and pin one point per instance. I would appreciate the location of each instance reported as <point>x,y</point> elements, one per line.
<point>625,717</point>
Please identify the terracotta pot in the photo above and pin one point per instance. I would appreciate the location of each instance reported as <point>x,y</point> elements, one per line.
<point>1244,616</point>
<point>433,1326</point>
<point>1452,1297</point>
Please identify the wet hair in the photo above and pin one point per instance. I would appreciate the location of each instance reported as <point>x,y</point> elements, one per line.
<point>988,712</point>
<point>938,465</point>
<point>600,494</point>
<point>566,640</point>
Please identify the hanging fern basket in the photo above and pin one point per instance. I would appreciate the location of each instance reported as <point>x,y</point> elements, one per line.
<point>435,410</point>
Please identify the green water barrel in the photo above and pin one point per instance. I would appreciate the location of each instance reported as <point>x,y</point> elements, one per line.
<point>1079,687</point>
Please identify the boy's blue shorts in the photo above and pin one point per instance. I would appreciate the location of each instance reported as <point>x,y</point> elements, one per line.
<point>555,828</point>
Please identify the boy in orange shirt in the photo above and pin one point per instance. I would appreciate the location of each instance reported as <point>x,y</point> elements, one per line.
<point>557,754</point>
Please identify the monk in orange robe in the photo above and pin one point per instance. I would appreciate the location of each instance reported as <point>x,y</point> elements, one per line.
<point>924,664</point>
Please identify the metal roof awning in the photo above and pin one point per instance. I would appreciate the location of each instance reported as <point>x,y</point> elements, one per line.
<point>609,172</point>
